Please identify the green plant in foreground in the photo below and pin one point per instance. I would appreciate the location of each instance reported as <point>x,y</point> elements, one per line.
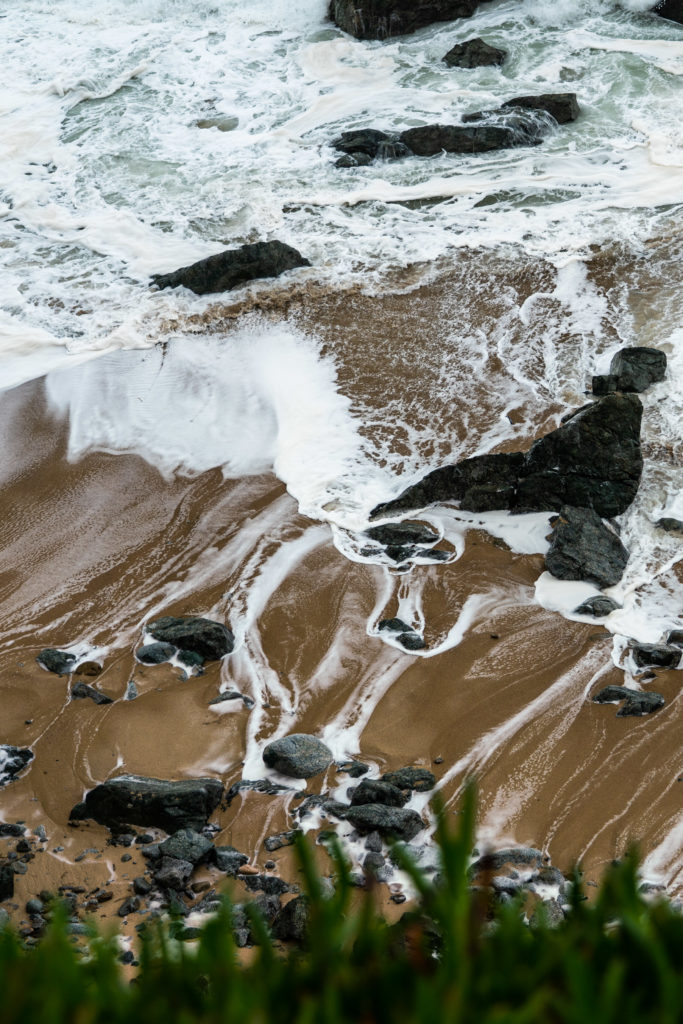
<point>455,959</point>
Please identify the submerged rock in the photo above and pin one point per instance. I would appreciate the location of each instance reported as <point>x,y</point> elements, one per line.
<point>365,141</point>
<point>562,106</point>
<point>381,19</point>
<point>675,637</point>
<point>430,139</point>
<point>390,822</point>
<point>81,691</point>
<point>593,460</point>
<point>212,640</point>
<point>411,641</point>
<point>299,756</point>
<point>656,655</point>
<point>522,856</point>
<point>474,53</point>
<point>233,267</point>
<point>13,760</point>
<point>136,800</point>
<point>583,547</point>
<point>597,606</point>
<point>637,367</point>
<point>60,662</point>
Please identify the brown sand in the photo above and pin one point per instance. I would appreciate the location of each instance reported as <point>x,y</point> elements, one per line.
<point>91,550</point>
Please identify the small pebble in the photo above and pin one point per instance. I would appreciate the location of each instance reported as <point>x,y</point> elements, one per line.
<point>269,865</point>
<point>247,869</point>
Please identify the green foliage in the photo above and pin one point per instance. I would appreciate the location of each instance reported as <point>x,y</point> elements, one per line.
<point>456,959</point>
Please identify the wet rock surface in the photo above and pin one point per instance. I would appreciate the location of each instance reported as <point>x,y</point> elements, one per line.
<point>636,368</point>
<point>81,691</point>
<point>421,780</point>
<point>13,761</point>
<point>598,606</point>
<point>60,662</point>
<point>671,9</point>
<point>382,19</point>
<point>233,267</point>
<point>583,547</point>
<point>136,800</point>
<point>299,756</point>
<point>636,702</point>
<point>376,791</point>
<point>211,640</point>
<point>402,533</point>
<point>474,53</point>
<point>155,654</point>
<point>593,460</point>
<point>671,525</point>
<point>656,655</point>
<point>390,822</point>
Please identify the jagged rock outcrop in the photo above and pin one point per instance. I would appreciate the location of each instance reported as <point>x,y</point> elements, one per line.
<point>593,460</point>
<point>583,547</point>
<point>474,53</point>
<point>381,19</point>
<point>137,800</point>
<point>233,267</point>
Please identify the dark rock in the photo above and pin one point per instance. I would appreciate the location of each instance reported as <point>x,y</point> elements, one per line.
<point>597,606</point>
<point>431,139</point>
<point>375,791</point>
<point>419,779</point>
<point>141,887</point>
<point>547,914</point>
<point>604,384</point>
<point>81,691</point>
<point>6,882</point>
<point>394,626</point>
<point>641,704</point>
<point>638,367</point>
<point>299,756</point>
<point>129,906</point>
<point>562,106</point>
<point>191,659</point>
<point>268,905</point>
<point>399,554</point>
<point>357,160</point>
<point>402,533</point>
<point>55,661</point>
<point>212,640</point>
<point>390,822</point>
<point>135,800</point>
<point>670,525</point>
<point>273,843</point>
<point>256,786</point>
<point>675,637</point>
<point>13,760</point>
<point>7,829</point>
<point>435,554</point>
<point>656,655</point>
<point>637,703</point>
<point>373,842</point>
<point>474,53</point>
<point>592,461</point>
<point>374,863</point>
<point>671,9</point>
<point>524,856</point>
<point>155,654</point>
<point>229,860</point>
<point>381,19</point>
<point>233,267</point>
<point>173,873</point>
<point>291,924</point>
<point>365,141</point>
<point>35,906</point>
<point>354,768</point>
<point>271,885</point>
<point>412,641</point>
<point>582,547</point>
<point>186,844</point>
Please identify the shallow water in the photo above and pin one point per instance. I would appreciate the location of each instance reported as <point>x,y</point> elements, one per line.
<point>220,455</point>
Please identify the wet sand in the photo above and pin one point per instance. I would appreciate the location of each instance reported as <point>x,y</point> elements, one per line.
<point>90,550</point>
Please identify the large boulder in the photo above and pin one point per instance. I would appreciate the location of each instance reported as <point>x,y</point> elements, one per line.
<point>474,53</point>
<point>380,19</point>
<point>562,106</point>
<point>187,844</point>
<point>419,779</point>
<point>299,756</point>
<point>375,791</point>
<point>233,267</point>
<point>583,547</point>
<point>671,9</point>
<point>153,803</point>
<point>211,640</point>
<point>60,662</point>
<point>657,655</point>
<point>593,460</point>
<point>391,822</point>
<point>637,367</point>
